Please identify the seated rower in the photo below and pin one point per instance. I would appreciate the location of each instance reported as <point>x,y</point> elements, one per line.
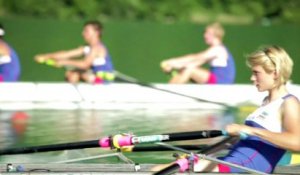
<point>269,126</point>
<point>10,67</point>
<point>190,67</point>
<point>96,65</point>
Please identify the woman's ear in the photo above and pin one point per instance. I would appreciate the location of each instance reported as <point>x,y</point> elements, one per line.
<point>276,74</point>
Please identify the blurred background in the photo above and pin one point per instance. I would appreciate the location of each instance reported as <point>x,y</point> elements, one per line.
<point>141,33</point>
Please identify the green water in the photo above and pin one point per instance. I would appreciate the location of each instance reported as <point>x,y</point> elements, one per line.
<point>43,127</point>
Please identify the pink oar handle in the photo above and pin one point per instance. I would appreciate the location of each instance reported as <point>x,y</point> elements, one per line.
<point>183,164</point>
<point>121,140</point>
<point>117,141</point>
<point>104,142</point>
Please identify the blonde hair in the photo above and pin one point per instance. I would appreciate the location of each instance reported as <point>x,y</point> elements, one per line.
<point>273,58</point>
<point>217,29</point>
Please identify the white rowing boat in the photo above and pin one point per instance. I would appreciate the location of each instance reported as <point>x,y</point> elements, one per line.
<point>28,95</point>
<point>129,167</point>
<point>97,169</point>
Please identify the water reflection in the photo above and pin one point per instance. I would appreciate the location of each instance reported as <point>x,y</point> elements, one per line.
<point>13,128</point>
<point>41,127</point>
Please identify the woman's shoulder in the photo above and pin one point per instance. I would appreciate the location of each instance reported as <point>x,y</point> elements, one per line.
<point>218,50</point>
<point>291,102</point>
<point>3,48</point>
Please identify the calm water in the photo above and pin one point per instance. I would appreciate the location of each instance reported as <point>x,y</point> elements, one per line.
<point>42,127</point>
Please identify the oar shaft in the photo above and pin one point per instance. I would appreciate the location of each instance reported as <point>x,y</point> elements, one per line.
<point>137,148</point>
<point>182,166</point>
<point>128,79</point>
<point>223,144</point>
<point>127,140</point>
<point>195,135</point>
<point>116,141</point>
<point>55,147</point>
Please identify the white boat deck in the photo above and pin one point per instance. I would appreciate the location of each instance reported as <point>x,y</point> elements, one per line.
<point>111,169</point>
<point>29,95</point>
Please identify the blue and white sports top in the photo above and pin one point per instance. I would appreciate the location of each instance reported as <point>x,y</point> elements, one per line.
<point>10,71</point>
<point>224,69</point>
<point>268,116</point>
<point>100,64</point>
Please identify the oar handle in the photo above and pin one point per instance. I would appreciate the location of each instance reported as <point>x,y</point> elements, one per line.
<point>168,170</point>
<point>242,135</point>
<point>46,61</point>
<point>181,164</point>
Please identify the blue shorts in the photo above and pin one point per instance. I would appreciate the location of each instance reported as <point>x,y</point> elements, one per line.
<point>253,154</point>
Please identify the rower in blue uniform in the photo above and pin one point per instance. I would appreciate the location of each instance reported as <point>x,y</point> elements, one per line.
<point>9,61</point>
<point>96,65</point>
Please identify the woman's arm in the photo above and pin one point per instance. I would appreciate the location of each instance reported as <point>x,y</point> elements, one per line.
<point>60,55</point>
<point>87,61</point>
<point>196,59</point>
<point>289,138</point>
<point>177,62</point>
<point>209,54</point>
<point>4,54</point>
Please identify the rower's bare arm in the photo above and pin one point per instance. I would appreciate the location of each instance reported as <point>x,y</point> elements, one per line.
<point>86,62</point>
<point>200,59</point>
<point>184,61</point>
<point>3,49</point>
<point>208,55</point>
<point>60,55</point>
<point>176,62</point>
<point>4,54</point>
<point>290,137</point>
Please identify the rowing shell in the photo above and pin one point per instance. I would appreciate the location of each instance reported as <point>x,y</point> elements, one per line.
<point>89,169</point>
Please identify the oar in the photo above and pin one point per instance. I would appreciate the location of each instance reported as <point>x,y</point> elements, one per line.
<point>117,141</point>
<point>149,148</point>
<point>125,78</point>
<point>128,79</point>
<point>55,147</point>
<point>184,162</point>
<point>221,145</point>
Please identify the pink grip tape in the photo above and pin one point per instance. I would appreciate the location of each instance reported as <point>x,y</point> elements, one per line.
<point>104,142</point>
<point>184,164</point>
<point>125,141</point>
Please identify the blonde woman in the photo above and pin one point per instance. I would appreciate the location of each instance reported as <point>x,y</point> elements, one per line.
<point>190,67</point>
<point>274,127</point>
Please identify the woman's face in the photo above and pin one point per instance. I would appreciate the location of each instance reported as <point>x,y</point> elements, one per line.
<point>209,36</point>
<point>89,33</point>
<point>261,79</point>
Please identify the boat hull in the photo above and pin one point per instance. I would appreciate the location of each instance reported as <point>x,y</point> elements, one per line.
<point>97,169</point>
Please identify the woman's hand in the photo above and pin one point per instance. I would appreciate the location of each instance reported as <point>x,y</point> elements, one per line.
<point>237,129</point>
<point>40,58</point>
<point>165,66</point>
